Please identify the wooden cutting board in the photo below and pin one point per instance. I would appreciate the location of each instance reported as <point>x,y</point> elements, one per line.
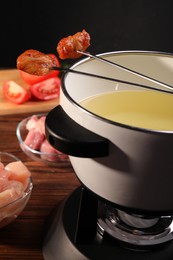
<point>7,108</point>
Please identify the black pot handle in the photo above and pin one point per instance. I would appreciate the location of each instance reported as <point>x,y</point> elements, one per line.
<point>67,136</point>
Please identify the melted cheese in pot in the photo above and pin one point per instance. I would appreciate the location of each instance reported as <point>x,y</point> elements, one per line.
<point>144,109</point>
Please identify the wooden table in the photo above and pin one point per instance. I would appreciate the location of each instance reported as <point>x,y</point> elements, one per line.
<point>22,239</point>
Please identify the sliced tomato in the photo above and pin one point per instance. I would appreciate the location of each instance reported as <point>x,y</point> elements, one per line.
<point>15,93</point>
<point>47,89</point>
<point>32,79</point>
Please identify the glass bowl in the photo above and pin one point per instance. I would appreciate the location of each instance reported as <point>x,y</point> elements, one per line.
<point>35,145</point>
<point>15,187</point>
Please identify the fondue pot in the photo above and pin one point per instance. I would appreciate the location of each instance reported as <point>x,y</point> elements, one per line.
<point>125,201</point>
<point>126,165</point>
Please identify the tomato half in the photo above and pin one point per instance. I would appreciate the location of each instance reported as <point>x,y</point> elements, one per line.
<point>32,79</point>
<point>47,89</point>
<point>15,93</point>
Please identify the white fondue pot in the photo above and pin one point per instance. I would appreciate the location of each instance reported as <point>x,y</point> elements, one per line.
<point>126,165</point>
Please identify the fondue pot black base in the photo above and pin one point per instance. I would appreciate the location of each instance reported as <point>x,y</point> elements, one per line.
<point>71,233</point>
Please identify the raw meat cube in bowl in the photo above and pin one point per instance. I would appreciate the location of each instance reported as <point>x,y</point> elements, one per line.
<point>15,187</point>
<point>32,139</point>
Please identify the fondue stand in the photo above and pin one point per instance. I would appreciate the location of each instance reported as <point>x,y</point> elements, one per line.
<point>124,207</point>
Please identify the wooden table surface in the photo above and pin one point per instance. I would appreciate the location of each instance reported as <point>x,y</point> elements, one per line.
<point>22,239</point>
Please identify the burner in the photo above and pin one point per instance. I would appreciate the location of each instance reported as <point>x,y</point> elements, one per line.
<point>73,232</point>
<point>134,229</point>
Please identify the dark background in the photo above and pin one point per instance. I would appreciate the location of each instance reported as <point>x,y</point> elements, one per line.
<point>112,24</point>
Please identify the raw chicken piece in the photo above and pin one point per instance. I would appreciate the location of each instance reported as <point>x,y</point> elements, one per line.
<point>51,151</point>
<point>18,172</point>
<point>4,174</point>
<point>41,124</point>
<point>32,123</point>
<point>36,123</point>
<point>10,191</point>
<point>1,166</point>
<point>34,139</point>
<point>3,183</point>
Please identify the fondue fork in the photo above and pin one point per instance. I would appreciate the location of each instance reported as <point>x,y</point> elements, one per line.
<point>88,54</point>
<point>112,79</point>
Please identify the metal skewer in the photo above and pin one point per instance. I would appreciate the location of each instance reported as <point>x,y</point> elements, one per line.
<point>125,69</point>
<point>111,79</point>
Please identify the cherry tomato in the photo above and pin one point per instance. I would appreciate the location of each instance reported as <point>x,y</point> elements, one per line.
<point>15,93</point>
<point>47,89</point>
<point>32,79</point>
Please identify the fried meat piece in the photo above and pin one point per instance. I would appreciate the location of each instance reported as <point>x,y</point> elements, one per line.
<point>35,62</point>
<point>67,47</point>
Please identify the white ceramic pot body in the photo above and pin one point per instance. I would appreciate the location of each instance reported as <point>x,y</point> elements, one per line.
<point>138,172</point>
